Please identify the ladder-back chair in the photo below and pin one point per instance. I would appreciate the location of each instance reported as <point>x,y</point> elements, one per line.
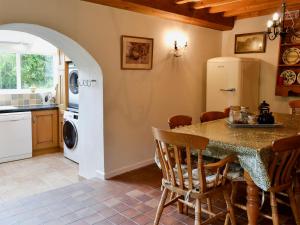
<point>286,153</point>
<point>212,115</point>
<point>294,105</point>
<point>179,121</point>
<point>191,185</point>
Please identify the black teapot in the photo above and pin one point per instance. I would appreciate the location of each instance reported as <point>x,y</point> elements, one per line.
<point>265,116</point>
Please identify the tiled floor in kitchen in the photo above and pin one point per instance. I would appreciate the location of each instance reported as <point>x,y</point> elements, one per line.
<point>35,175</point>
<point>129,199</point>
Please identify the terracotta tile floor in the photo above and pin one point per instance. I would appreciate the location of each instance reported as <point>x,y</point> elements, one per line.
<point>129,199</point>
<point>35,175</point>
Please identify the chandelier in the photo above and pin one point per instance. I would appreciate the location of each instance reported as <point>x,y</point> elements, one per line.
<point>278,25</point>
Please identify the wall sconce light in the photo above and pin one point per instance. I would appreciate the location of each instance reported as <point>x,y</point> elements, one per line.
<point>177,42</point>
<point>178,50</point>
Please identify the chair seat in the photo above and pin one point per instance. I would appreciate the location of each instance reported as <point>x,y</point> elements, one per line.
<point>236,172</point>
<point>211,179</point>
<point>235,176</point>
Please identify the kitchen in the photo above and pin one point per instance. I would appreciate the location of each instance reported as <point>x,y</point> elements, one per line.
<point>38,85</point>
<point>120,101</point>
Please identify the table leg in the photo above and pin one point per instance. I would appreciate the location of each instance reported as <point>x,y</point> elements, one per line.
<point>252,200</point>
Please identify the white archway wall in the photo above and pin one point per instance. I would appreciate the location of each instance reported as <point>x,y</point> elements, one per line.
<point>133,100</point>
<point>91,99</point>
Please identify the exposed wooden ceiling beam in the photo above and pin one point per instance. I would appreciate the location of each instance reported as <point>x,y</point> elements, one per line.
<point>259,7</point>
<point>234,5</point>
<point>211,3</point>
<point>168,10</point>
<point>265,12</point>
<point>179,2</point>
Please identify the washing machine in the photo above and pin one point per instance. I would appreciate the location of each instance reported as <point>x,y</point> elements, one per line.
<point>70,136</point>
<point>73,85</point>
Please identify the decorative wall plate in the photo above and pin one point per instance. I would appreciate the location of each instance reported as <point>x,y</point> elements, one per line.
<point>291,56</point>
<point>298,78</point>
<point>289,77</point>
<point>295,39</point>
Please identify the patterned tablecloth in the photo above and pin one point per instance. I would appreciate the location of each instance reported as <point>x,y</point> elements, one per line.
<point>252,145</point>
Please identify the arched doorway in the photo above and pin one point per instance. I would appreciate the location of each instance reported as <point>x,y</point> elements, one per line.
<point>91,98</point>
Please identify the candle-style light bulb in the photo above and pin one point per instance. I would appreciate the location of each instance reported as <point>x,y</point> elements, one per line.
<point>276,16</point>
<point>269,23</point>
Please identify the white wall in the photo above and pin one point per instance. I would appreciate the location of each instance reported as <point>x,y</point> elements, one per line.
<point>136,100</point>
<point>269,59</point>
<point>133,100</point>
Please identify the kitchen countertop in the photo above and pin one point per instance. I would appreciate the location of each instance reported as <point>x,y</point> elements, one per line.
<point>25,108</point>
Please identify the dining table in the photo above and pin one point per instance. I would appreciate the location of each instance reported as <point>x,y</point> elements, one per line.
<point>253,147</point>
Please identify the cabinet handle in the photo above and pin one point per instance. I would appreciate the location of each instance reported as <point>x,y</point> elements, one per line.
<point>229,89</point>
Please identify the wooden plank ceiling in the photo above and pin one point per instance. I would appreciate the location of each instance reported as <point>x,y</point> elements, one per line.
<point>215,14</point>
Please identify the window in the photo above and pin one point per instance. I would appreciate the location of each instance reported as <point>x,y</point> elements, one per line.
<point>36,71</point>
<point>8,74</point>
<point>20,72</point>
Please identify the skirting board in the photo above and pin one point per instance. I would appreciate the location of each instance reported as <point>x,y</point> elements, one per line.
<point>124,169</point>
<point>15,157</point>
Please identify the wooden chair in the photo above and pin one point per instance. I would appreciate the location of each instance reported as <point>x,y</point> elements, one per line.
<point>294,106</point>
<point>191,185</point>
<point>286,153</point>
<point>179,120</point>
<point>212,115</point>
<point>227,111</point>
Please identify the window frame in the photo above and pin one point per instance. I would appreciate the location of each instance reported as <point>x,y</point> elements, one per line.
<point>19,89</point>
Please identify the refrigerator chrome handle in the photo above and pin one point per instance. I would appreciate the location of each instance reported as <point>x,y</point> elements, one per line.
<point>229,89</point>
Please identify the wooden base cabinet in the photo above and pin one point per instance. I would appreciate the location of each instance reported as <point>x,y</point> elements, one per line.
<point>44,132</point>
<point>60,129</point>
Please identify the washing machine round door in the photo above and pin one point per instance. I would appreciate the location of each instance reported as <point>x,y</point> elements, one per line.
<point>73,82</point>
<point>70,134</point>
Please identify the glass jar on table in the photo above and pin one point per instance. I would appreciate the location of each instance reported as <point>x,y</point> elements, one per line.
<point>235,114</point>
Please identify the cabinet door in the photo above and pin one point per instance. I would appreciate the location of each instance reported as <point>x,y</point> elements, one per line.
<point>60,129</point>
<point>44,129</point>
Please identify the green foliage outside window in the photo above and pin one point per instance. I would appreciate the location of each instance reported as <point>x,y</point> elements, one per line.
<point>36,71</point>
<point>8,75</point>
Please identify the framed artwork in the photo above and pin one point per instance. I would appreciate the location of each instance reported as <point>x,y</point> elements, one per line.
<point>136,53</point>
<point>250,43</point>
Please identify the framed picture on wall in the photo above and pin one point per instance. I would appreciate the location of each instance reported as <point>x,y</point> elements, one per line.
<point>136,53</point>
<point>250,43</point>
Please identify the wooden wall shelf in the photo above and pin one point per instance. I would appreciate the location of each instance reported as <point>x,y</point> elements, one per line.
<point>281,89</point>
<point>284,65</point>
<point>293,90</point>
<point>290,44</point>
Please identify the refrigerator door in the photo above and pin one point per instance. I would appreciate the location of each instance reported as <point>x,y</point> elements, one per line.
<point>223,85</point>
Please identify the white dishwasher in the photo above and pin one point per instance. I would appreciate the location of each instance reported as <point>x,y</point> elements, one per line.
<point>15,136</point>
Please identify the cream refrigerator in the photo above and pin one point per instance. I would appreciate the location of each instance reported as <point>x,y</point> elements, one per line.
<point>232,81</point>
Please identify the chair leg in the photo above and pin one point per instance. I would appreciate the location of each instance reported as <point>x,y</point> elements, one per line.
<point>172,195</point>
<point>209,206</point>
<point>297,188</point>
<point>273,202</point>
<point>233,192</point>
<point>229,208</point>
<point>198,212</point>
<point>186,210</point>
<point>161,206</point>
<point>180,207</point>
<point>294,205</point>
<point>227,219</point>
